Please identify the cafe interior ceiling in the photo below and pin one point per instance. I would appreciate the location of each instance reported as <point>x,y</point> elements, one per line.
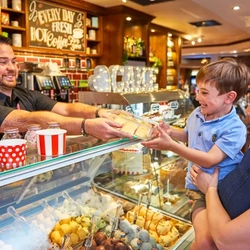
<point>231,36</point>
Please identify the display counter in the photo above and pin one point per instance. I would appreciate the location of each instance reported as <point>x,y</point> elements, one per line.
<point>61,203</point>
<point>36,197</point>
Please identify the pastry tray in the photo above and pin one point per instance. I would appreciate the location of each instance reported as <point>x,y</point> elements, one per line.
<point>182,237</point>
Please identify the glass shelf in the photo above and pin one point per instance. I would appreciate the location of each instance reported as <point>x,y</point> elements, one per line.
<point>78,149</point>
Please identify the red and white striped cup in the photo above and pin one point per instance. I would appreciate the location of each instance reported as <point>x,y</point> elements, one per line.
<point>51,142</point>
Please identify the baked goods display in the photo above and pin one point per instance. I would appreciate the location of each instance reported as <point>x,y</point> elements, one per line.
<point>155,116</point>
<point>114,226</point>
<point>174,173</point>
<point>180,123</point>
<point>163,229</point>
<point>132,160</point>
<point>132,189</point>
<point>167,190</point>
<point>136,126</point>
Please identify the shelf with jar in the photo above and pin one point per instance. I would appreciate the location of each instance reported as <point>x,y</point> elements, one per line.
<point>166,44</point>
<point>171,54</point>
<point>13,24</point>
<point>93,35</point>
<point>172,62</point>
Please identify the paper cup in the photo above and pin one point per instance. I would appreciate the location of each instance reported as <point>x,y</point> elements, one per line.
<point>12,153</point>
<point>51,142</point>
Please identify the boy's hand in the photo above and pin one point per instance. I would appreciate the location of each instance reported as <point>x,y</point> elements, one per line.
<point>161,142</point>
<point>166,127</point>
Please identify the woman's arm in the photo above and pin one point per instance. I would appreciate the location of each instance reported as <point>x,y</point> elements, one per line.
<point>227,234</point>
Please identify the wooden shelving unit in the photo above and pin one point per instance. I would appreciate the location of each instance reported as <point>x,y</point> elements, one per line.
<point>168,49</point>
<point>116,27</point>
<point>14,15</point>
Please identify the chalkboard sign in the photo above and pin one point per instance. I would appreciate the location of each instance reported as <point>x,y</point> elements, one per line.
<point>51,26</point>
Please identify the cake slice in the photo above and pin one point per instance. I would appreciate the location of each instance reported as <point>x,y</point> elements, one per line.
<point>120,120</point>
<point>143,132</point>
<point>130,127</point>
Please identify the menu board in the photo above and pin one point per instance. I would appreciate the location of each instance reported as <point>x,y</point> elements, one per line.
<point>55,27</point>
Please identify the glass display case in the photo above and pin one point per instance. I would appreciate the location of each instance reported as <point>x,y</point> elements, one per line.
<point>167,171</point>
<point>96,187</point>
<point>46,204</point>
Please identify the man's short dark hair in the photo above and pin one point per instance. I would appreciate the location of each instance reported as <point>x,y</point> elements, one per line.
<point>5,40</point>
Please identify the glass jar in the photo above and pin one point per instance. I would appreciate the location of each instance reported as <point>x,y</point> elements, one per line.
<point>11,133</point>
<point>53,125</point>
<point>30,136</point>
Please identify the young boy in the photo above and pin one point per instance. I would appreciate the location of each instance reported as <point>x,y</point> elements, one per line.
<point>214,133</point>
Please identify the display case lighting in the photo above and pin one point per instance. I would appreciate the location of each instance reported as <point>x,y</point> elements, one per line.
<point>199,40</point>
<point>236,7</point>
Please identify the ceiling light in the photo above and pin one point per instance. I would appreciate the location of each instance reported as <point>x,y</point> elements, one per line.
<point>128,18</point>
<point>170,35</point>
<point>193,42</point>
<point>199,40</point>
<point>124,1</point>
<point>236,7</point>
<point>152,30</point>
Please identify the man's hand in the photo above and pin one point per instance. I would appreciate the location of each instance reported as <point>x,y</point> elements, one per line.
<point>104,129</point>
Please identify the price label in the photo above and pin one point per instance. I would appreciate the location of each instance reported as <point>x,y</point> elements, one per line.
<point>174,105</point>
<point>154,107</point>
<point>129,109</point>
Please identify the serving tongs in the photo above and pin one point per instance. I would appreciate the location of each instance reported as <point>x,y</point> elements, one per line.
<point>89,239</point>
<point>136,213</point>
<point>99,195</point>
<point>12,211</point>
<point>65,242</point>
<point>50,209</point>
<point>115,220</point>
<point>66,196</point>
<point>21,221</point>
<point>148,200</point>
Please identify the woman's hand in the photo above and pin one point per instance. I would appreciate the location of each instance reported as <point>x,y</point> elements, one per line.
<point>202,180</point>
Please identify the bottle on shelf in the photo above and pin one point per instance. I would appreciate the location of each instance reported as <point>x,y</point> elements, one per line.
<point>53,125</point>
<point>11,133</point>
<point>30,136</point>
<point>134,48</point>
<point>78,62</point>
<point>4,3</point>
